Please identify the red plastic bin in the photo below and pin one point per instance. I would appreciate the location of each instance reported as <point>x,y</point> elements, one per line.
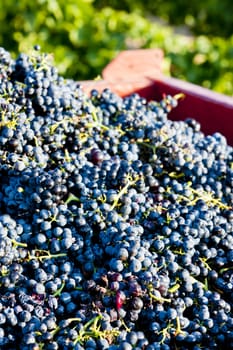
<point>140,71</point>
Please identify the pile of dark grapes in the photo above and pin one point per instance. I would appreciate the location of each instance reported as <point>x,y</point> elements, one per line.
<point>116,223</point>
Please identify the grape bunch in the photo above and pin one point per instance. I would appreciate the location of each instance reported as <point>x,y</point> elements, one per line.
<point>116,223</point>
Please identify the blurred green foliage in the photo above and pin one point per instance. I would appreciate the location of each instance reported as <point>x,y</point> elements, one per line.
<point>84,35</point>
<point>209,17</point>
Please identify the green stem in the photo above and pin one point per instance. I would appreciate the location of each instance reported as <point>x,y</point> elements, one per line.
<point>123,191</point>
<point>174,288</point>
<point>178,327</point>
<point>159,299</point>
<point>18,244</point>
<point>226,269</point>
<point>194,280</point>
<point>72,198</point>
<point>203,260</point>
<point>148,145</point>
<point>58,292</point>
<point>92,321</point>
<point>44,257</point>
<point>87,331</point>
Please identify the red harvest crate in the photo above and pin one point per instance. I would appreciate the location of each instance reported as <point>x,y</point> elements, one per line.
<point>140,71</point>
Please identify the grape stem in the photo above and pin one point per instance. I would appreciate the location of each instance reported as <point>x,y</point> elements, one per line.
<point>159,299</point>
<point>47,255</point>
<point>130,182</point>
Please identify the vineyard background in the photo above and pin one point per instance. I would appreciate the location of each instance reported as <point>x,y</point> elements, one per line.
<point>84,35</point>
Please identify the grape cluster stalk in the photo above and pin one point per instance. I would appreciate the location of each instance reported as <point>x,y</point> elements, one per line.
<point>116,223</point>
